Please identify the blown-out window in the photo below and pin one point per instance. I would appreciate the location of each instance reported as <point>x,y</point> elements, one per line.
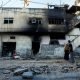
<point>12,37</point>
<point>55,21</point>
<point>8,20</point>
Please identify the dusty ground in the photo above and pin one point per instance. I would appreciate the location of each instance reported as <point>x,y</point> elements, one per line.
<point>58,66</point>
<point>24,63</point>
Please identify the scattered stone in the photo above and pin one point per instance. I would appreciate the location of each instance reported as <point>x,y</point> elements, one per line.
<point>36,72</point>
<point>19,71</point>
<point>42,69</point>
<point>12,68</point>
<point>27,75</point>
<point>6,71</point>
<point>54,68</point>
<point>65,70</point>
<point>78,65</point>
<point>6,58</point>
<point>63,67</point>
<point>16,78</point>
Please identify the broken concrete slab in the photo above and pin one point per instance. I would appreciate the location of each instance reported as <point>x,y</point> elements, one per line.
<point>27,75</point>
<point>6,71</point>
<point>36,72</point>
<point>19,71</point>
<point>60,76</point>
<point>16,78</point>
<point>14,67</point>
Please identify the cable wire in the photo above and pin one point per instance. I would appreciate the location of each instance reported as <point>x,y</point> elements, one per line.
<point>6,3</point>
<point>37,2</point>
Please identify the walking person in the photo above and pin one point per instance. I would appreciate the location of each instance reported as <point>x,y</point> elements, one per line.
<point>66,52</point>
<point>71,52</point>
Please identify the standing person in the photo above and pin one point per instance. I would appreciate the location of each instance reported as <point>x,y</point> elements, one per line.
<point>66,52</point>
<point>71,52</point>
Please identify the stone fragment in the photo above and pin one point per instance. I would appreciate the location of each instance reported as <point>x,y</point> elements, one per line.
<point>78,65</point>
<point>15,78</point>
<point>27,75</point>
<point>19,71</point>
<point>65,70</point>
<point>13,68</point>
<point>37,71</point>
<point>6,71</point>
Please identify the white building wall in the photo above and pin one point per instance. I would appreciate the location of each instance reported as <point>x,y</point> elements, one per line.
<point>45,39</point>
<point>20,20</point>
<point>23,43</point>
<point>72,35</point>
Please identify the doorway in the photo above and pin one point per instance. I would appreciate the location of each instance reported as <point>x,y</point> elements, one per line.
<point>8,48</point>
<point>35,45</point>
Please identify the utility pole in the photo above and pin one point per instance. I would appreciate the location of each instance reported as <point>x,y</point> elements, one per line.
<point>1,6</point>
<point>60,2</point>
<point>26,2</point>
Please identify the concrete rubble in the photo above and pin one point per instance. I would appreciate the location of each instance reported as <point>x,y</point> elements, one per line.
<point>27,75</point>
<point>19,71</point>
<point>56,70</point>
<point>6,71</point>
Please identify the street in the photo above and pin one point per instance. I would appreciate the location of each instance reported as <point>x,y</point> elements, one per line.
<point>45,69</point>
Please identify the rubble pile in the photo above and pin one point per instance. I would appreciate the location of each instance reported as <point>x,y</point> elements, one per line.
<point>12,73</point>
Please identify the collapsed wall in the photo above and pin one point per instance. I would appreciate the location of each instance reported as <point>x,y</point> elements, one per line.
<point>50,51</point>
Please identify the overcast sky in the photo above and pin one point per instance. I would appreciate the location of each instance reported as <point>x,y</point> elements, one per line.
<point>19,3</point>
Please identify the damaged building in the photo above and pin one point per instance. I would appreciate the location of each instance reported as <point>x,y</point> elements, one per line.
<point>25,31</point>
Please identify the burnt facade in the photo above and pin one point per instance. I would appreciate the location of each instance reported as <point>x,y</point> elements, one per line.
<point>27,29</point>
